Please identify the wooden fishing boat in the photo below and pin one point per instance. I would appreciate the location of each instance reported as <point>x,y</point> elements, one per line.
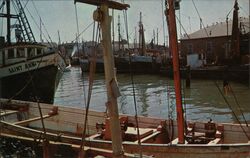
<point>64,125</point>
<point>113,135</point>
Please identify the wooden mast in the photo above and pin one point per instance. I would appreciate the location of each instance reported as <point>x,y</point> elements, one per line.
<point>102,15</point>
<point>177,82</point>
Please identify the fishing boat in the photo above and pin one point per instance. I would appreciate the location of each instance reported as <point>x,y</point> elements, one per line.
<point>137,60</point>
<point>28,70</point>
<point>90,133</point>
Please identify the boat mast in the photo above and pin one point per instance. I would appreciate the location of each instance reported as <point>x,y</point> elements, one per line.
<point>177,82</point>
<point>102,15</point>
<point>8,16</point>
<point>119,32</point>
<point>141,37</point>
<point>235,45</point>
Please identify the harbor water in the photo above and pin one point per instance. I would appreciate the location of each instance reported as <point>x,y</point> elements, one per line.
<point>154,96</point>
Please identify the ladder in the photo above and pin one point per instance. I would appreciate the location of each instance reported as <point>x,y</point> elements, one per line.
<point>28,35</point>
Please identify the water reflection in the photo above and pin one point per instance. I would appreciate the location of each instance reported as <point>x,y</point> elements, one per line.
<point>155,96</point>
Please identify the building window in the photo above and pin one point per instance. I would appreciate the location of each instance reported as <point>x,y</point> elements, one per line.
<point>209,47</point>
<point>190,49</point>
<point>11,54</point>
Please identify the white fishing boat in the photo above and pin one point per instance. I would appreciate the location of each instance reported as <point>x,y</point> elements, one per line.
<point>27,69</point>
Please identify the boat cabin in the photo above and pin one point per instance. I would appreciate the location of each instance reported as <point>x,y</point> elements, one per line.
<point>21,51</point>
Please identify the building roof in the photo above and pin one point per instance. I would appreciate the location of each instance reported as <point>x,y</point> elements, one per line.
<point>218,29</point>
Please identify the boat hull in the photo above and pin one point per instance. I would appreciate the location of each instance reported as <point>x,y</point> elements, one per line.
<point>69,122</point>
<point>26,86</point>
<point>37,77</point>
<point>124,66</point>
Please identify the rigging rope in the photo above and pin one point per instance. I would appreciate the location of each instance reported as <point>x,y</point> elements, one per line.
<point>41,21</point>
<point>3,3</point>
<point>132,82</point>
<point>38,26</point>
<point>225,99</point>
<point>234,114</point>
<point>77,25</point>
<point>200,18</point>
<point>183,28</point>
<point>229,84</point>
<point>236,101</point>
<point>29,80</point>
<point>91,79</point>
<point>82,32</point>
<point>35,93</point>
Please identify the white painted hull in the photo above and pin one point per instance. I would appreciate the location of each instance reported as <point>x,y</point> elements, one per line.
<point>32,64</point>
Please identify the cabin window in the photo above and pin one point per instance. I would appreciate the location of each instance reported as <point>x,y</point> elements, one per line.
<point>31,52</point>
<point>11,54</point>
<point>39,51</point>
<point>190,49</point>
<point>20,53</point>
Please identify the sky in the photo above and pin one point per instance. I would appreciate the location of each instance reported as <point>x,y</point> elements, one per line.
<point>60,15</point>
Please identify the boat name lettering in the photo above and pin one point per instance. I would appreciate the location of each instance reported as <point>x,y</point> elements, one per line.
<point>15,69</point>
<point>20,67</point>
<point>30,65</point>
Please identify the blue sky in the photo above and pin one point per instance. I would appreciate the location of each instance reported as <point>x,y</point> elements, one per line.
<point>60,15</point>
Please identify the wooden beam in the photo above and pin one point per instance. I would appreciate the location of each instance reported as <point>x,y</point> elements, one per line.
<point>25,122</point>
<point>32,133</point>
<point>111,4</point>
<point>7,112</point>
